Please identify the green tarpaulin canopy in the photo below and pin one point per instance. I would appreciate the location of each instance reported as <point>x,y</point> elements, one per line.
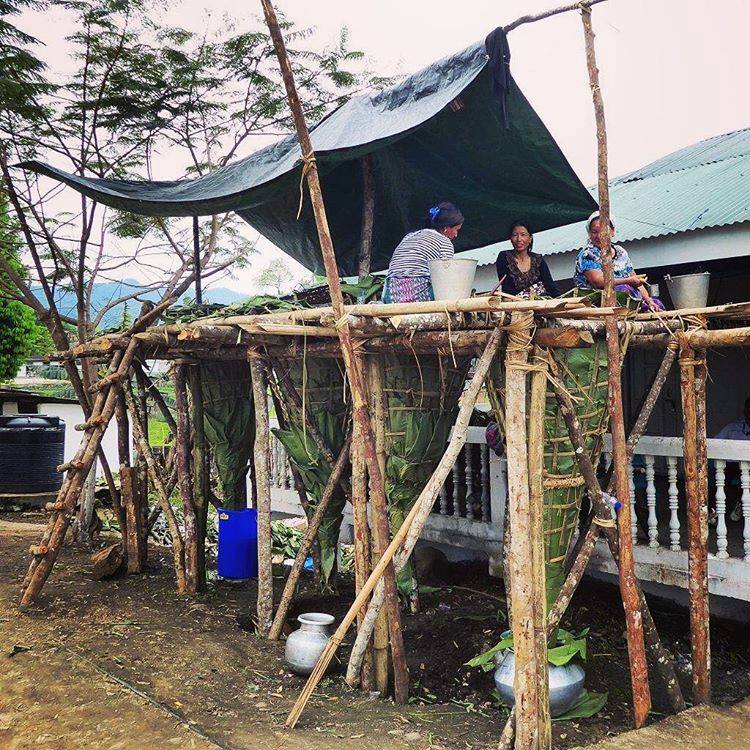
<point>437,135</point>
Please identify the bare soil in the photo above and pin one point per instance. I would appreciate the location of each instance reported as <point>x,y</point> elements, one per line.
<point>127,663</point>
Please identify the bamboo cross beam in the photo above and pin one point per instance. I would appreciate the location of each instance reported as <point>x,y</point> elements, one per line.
<point>548,13</point>
<point>628,583</point>
<point>353,372</point>
<point>406,537</point>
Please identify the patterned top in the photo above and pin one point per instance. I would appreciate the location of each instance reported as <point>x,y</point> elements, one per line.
<point>413,255</point>
<point>590,259</point>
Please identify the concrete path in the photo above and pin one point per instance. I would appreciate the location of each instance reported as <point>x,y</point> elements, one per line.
<point>701,728</point>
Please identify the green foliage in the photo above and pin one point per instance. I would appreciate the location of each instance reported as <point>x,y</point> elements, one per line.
<point>285,540</point>
<point>569,647</point>
<point>159,434</point>
<point>17,325</point>
<point>588,705</point>
<point>21,72</point>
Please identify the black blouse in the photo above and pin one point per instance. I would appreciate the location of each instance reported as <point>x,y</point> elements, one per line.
<point>516,281</point>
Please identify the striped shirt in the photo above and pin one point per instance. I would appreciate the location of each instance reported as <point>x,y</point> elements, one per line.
<point>413,255</point>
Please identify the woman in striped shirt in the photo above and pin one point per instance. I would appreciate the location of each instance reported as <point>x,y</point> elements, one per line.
<point>408,277</point>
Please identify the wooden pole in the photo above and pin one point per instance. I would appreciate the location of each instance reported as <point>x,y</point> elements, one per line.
<point>310,534</point>
<point>362,566</point>
<point>660,657</point>
<point>354,375</point>
<point>262,463</point>
<point>375,377</point>
<point>162,493</point>
<point>406,537</point>
<point>201,478</point>
<point>101,413</point>
<point>526,685</point>
<point>697,516</point>
<point>537,403</point>
<point>368,216</point>
<point>628,588</point>
<point>183,446</point>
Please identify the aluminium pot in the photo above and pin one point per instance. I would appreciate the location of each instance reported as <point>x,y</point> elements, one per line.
<point>305,645</point>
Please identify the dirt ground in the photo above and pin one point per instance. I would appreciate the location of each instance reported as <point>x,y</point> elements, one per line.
<point>126,663</point>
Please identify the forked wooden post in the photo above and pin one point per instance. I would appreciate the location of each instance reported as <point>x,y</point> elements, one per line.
<point>628,587</point>
<point>531,730</point>
<point>262,464</point>
<point>354,375</point>
<point>692,382</point>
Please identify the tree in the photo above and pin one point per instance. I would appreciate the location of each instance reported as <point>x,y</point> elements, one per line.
<point>139,88</point>
<point>275,277</point>
<point>20,332</point>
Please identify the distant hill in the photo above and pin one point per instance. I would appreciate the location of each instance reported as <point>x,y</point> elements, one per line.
<point>107,291</point>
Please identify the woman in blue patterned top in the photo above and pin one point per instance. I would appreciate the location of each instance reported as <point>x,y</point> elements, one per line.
<point>589,273</point>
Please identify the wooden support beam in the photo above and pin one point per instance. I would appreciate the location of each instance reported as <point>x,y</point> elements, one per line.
<point>368,216</point>
<point>201,469</point>
<point>697,516</point>
<point>524,589</point>
<point>183,446</point>
<point>262,463</point>
<point>628,584</point>
<point>353,372</point>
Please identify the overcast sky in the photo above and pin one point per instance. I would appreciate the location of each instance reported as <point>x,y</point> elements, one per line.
<point>672,71</point>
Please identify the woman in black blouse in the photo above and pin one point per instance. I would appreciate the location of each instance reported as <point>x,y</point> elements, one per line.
<point>521,272</point>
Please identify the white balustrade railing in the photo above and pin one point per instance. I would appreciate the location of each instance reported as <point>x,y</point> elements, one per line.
<point>660,495</point>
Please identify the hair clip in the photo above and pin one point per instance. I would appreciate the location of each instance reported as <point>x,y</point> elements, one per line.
<point>434,211</point>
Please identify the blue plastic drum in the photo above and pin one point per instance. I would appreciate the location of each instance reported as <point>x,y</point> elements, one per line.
<point>238,543</point>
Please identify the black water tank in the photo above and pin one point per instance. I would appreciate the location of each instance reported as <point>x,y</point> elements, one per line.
<point>31,448</point>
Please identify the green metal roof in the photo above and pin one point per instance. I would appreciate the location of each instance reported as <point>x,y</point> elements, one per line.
<point>704,185</point>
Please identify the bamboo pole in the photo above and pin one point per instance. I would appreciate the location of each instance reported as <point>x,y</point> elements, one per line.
<point>262,462</point>
<point>353,372</point>
<point>628,589</point>
<point>697,516</point>
<point>406,537</point>
<point>362,566</point>
<point>698,338</point>
<point>183,446</point>
<point>379,408</point>
<point>310,534</point>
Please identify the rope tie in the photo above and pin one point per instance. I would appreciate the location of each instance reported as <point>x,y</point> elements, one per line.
<point>308,160</point>
<point>687,362</point>
<point>342,321</point>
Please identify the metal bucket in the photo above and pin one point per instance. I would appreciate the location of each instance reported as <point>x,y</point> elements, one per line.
<point>453,278</point>
<point>690,290</point>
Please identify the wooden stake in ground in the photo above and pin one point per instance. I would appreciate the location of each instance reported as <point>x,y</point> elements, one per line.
<point>628,589</point>
<point>201,478</point>
<point>354,375</point>
<point>531,730</point>
<point>368,216</point>
<point>362,567</point>
<point>697,516</point>
<point>406,537</point>
<point>183,446</point>
<point>262,463</point>
<point>379,407</point>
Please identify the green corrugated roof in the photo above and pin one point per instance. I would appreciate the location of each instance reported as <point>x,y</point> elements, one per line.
<point>701,186</point>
